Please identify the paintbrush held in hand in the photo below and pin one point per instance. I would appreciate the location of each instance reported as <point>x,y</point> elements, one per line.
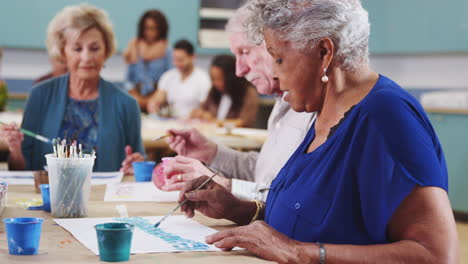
<point>32,134</point>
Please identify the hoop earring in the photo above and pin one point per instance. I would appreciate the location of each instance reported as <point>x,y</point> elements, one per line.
<point>325,77</point>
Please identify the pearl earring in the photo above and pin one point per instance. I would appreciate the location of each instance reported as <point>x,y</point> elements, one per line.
<point>325,77</point>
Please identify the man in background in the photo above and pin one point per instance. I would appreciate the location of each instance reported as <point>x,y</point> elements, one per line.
<point>182,88</point>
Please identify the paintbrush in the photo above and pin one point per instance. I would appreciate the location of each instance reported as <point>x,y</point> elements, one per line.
<point>32,134</point>
<point>185,201</point>
<point>160,137</point>
<point>163,136</point>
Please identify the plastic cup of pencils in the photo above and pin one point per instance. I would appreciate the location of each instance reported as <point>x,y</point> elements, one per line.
<point>70,185</point>
<point>143,170</point>
<point>114,241</point>
<point>23,235</point>
<point>45,191</point>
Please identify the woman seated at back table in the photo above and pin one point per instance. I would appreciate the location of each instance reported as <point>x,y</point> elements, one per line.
<point>79,103</point>
<point>369,182</point>
<point>148,56</point>
<point>231,99</point>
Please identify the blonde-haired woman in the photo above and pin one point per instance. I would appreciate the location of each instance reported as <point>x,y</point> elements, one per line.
<point>79,103</point>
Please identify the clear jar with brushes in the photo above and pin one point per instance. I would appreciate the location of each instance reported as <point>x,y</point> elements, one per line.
<point>70,184</point>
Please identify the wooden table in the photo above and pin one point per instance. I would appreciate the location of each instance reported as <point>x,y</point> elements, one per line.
<point>59,246</point>
<point>239,138</point>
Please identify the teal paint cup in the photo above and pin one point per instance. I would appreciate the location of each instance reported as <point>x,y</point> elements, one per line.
<point>45,191</point>
<point>143,170</point>
<point>23,235</point>
<point>114,241</point>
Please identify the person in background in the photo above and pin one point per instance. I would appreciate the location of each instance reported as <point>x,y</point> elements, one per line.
<point>183,88</point>
<point>59,67</point>
<point>3,87</point>
<point>248,175</point>
<point>231,99</point>
<point>369,182</point>
<point>79,103</point>
<point>147,56</point>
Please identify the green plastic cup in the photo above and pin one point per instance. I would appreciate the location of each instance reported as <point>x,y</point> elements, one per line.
<point>114,241</point>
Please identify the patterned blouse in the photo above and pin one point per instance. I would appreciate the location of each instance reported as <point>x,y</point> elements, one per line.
<point>81,118</point>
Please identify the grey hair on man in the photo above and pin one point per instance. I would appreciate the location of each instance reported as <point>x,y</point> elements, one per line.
<point>305,22</point>
<point>236,22</point>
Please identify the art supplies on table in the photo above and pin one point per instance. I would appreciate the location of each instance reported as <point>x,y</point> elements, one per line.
<point>160,137</point>
<point>23,235</point>
<point>114,241</point>
<point>45,193</point>
<point>185,201</point>
<point>143,170</point>
<point>178,234</point>
<point>3,196</point>
<point>27,177</point>
<point>69,170</point>
<point>138,192</point>
<point>70,183</point>
<point>32,134</point>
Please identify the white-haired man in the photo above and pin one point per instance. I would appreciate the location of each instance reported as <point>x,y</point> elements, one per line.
<point>248,174</point>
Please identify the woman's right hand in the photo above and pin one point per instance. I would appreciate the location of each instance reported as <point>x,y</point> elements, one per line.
<point>192,144</point>
<point>12,137</point>
<point>214,201</point>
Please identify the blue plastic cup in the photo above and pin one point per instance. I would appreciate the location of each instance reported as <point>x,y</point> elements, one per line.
<point>45,191</point>
<point>23,235</point>
<point>143,170</point>
<point>114,241</point>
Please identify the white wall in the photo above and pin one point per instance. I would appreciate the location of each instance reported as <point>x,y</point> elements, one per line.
<point>424,71</point>
<point>410,71</point>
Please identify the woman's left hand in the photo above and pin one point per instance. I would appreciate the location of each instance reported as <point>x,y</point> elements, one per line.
<point>260,239</point>
<point>182,169</point>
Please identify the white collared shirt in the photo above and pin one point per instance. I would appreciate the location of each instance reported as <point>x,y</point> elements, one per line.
<point>253,172</point>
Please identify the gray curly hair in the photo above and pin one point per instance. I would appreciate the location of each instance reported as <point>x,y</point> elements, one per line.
<point>305,22</point>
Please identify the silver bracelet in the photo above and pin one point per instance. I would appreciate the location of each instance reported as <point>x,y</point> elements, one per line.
<point>322,253</point>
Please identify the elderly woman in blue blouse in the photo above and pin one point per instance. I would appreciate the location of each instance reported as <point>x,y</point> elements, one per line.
<point>79,103</point>
<point>148,56</point>
<point>369,182</point>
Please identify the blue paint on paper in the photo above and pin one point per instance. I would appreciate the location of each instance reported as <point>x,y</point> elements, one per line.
<point>176,241</point>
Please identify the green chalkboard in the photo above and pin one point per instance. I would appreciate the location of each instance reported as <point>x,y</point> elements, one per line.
<point>418,26</point>
<point>23,23</point>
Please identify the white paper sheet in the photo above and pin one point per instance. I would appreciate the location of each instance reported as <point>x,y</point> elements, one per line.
<point>138,192</point>
<point>27,177</point>
<point>176,234</point>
